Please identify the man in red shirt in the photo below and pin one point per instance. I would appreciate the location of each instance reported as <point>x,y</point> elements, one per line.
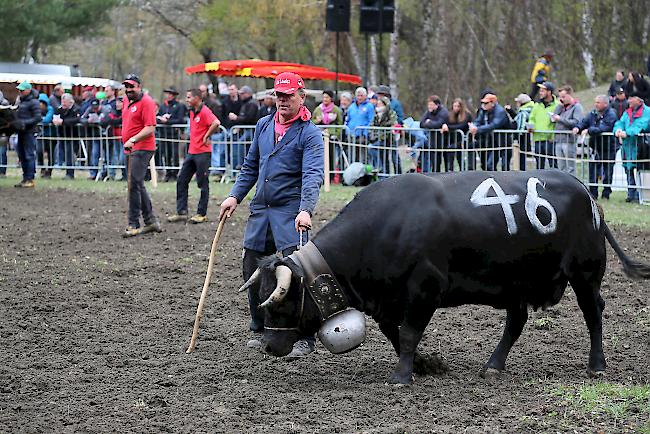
<point>138,126</point>
<point>203,123</point>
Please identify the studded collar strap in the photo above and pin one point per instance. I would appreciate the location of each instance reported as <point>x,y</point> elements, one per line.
<point>319,280</point>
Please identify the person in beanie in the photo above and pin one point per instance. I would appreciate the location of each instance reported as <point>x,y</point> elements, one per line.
<point>286,161</point>
<point>138,127</point>
<point>203,123</point>
<point>28,118</point>
<point>541,72</point>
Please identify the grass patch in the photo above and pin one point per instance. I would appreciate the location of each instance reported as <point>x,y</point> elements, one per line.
<point>625,406</point>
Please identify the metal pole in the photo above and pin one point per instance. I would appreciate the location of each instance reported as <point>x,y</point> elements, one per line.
<point>365,74</point>
<point>336,81</point>
<point>381,45</point>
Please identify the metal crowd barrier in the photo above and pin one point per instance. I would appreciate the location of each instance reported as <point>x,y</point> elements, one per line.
<point>597,161</point>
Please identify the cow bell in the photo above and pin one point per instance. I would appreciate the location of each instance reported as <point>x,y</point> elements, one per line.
<point>343,331</point>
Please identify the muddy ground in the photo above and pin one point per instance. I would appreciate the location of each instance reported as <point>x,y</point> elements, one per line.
<point>93,332</point>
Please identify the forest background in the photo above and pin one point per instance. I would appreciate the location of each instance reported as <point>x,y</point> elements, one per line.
<point>450,48</point>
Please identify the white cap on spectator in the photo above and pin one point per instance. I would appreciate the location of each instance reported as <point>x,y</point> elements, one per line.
<point>522,98</point>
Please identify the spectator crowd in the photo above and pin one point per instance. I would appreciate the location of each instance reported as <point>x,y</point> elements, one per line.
<point>548,123</point>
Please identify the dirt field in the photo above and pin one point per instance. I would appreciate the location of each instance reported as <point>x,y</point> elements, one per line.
<point>93,330</point>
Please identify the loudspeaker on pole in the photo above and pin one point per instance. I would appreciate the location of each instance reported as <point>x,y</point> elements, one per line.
<point>338,16</point>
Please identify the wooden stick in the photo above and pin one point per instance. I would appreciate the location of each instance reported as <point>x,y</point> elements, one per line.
<point>204,293</point>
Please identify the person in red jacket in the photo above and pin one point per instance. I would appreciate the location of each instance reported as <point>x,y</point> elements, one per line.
<point>138,127</point>
<point>203,123</point>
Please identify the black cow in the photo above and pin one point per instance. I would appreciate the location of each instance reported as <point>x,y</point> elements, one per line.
<point>8,118</point>
<point>411,244</point>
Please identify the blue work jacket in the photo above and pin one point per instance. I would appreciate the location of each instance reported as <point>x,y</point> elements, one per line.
<point>288,176</point>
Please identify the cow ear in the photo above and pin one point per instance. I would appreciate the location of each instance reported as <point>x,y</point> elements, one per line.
<point>296,270</point>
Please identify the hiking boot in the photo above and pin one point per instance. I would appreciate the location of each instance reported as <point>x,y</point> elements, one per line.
<point>174,218</point>
<point>198,219</point>
<point>130,231</point>
<point>152,227</point>
<point>256,342</point>
<point>29,183</point>
<point>301,348</point>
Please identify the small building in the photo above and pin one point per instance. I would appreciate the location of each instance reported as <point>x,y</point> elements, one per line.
<point>44,77</point>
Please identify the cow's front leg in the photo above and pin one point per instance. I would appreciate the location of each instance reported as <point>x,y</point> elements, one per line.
<point>422,365</point>
<point>515,321</point>
<point>408,343</point>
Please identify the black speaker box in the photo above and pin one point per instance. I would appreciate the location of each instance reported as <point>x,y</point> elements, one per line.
<point>377,16</point>
<point>338,16</point>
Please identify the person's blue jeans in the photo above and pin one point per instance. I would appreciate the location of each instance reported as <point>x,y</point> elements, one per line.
<point>112,157</point>
<point>375,156</point>
<point>632,193</point>
<point>546,150</point>
<point>3,159</point>
<point>95,153</point>
<point>422,144</point>
<point>603,169</point>
<point>26,150</point>
<point>239,143</point>
<point>218,160</point>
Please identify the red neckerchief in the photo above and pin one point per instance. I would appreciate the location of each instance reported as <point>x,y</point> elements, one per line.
<point>632,115</point>
<point>281,128</point>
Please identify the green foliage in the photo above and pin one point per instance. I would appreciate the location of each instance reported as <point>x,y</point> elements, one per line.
<point>35,23</point>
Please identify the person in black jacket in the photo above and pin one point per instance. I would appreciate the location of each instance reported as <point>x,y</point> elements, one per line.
<point>114,132</point>
<point>600,120</point>
<point>66,119</point>
<point>267,107</point>
<point>637,84</point>
<point>247,116</point>
<point>459,119</point>
<point>433,119</point>
<point>619,82</point>
<point>28,118</point>
<point>170,113</point>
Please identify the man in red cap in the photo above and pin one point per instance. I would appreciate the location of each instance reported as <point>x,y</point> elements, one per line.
<point>286,161</point>
<point>138,127</point>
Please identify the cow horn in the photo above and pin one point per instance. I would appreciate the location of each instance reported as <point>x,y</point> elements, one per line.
<point>251,281</point>
<point>283,275</point>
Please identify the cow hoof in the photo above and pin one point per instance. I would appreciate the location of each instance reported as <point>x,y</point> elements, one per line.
<point>596,374</point>
<point>425,364</point>
<point>400,380</point>
<point>490,373</point>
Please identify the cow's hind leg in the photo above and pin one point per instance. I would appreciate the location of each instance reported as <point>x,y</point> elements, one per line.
<point>592,306</point>
<point>515,321</point>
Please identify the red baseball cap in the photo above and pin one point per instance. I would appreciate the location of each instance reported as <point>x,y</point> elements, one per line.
<point>88,89</point>
<point>288,82</point>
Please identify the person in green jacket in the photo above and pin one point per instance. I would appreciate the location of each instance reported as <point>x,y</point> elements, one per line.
<point>540,123</point>
<point>634,121</point>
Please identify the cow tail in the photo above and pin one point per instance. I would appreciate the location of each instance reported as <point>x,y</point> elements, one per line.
<point>632,268</point>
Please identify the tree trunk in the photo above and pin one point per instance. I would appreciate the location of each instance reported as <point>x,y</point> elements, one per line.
<point>443,41</point>
<point>393,53</point>
<point>587,57</point>
<point>372,79</point>
<point>355,53</point>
